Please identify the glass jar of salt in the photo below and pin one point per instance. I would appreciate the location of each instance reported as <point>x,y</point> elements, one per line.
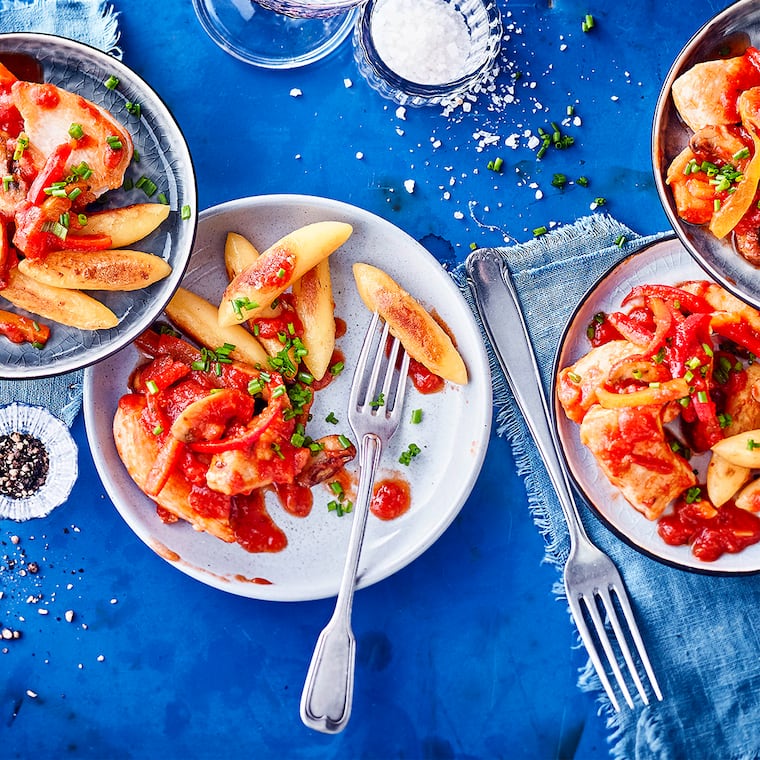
<point>427,52</point>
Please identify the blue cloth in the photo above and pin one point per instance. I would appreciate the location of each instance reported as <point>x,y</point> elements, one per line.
<point>94,23</point>
<point>701,631</point>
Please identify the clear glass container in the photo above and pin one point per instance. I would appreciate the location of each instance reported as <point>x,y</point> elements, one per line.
<point>277,34</point>
<point>427,52</point>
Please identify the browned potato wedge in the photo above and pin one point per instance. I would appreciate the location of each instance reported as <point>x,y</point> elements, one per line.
<point>313,301</point>
<point>197,317</point>
<point>423,338</point>
<point>97,270</point>
<point>749,497</point>
<point>125,225</point>
<point>742,449</point>
<point>67,307</point>
<point>278,268</point>
<point>724,479</point>
<point>240,253</point>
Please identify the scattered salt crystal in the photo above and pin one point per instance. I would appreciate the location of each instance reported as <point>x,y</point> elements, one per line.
<point>401,113</point>
<point>43,611</point>
<point>409,185</point>
<point>114,601</point>
<point>31,694</point>
<point>447,196</point>
<point>359,155</point>
<point>69,615</point>
<point>347,83</point>
<point>399,131</point>
<point>424,41</point>
<point>614,98</point>
<point>101,658</point>
<point>295,92</point>
<point>458,215</point>
<point>539,195</point>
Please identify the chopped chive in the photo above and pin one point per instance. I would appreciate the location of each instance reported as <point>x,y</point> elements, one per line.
<point>416,416</point>
<point>112,82</point>
<point>76,131</point>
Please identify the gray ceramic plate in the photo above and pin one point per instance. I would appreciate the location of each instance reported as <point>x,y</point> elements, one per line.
<point>667,263</point>
<point>732,29</point>
<point>453,434</point>
<point>164,158</point>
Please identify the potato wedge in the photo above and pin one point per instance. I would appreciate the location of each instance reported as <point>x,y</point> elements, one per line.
<point>240,253</point>
<point>67,307</point>
<point>125,225</point>
<point>314,305</point>
<point>423,338</point>
<point>742,449</point>
<point>197,317</point>
<point>724,479</point>
<point>749,497</point>
<point>254,289</point>
<point>97,270</point>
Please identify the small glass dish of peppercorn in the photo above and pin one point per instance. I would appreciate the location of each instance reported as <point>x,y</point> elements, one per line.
<point>38,462</point>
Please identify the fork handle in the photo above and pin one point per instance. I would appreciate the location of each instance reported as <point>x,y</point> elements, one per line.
<point>328,691</point>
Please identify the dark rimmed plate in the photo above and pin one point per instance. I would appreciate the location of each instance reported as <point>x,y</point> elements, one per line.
<point>666,262</point>
<point>733,29</point>
<point>163,157</point>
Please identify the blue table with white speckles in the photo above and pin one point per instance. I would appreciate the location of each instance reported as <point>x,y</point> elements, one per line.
<point>465,652</point>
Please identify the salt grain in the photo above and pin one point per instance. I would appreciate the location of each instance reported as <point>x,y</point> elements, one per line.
<point>423,41</point>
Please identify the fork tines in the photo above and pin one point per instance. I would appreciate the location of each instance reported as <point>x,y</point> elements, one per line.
<point>603,609</point>
<point>389,359</point>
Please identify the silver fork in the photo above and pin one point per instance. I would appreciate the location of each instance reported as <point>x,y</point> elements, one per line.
<point>592,582</point>
<point>374,413</point>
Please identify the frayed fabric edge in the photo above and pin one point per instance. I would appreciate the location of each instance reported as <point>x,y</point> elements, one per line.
<point>96,25</point>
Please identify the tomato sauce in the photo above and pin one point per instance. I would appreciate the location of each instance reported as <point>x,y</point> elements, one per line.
<point>710,532</point>
<point>423,379</point>
<point>254,529</point>
<point>270,270</point>
<point>391,498</point>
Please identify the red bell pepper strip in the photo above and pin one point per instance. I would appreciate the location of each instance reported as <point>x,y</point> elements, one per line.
<point>688,339</point>
<point>21,329</point>
<point>630,329</point>
<point>245,440</point>
<point>54,170</point>
<point>672,295</point>
<point>741,334</point>
<point>168,456</point>
<point>99,242</point>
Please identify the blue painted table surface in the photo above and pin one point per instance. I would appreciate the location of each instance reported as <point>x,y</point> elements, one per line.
<point>466,653</point>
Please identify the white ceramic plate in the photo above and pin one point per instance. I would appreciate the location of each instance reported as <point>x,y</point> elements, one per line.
<point>665,262</point>
<point>453,434</point>
<point>164,158</point>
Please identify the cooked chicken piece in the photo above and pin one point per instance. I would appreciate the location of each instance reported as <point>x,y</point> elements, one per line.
<point>630,447</point>
<point>718,144</point>
<point>138,450</point>
<point>708,92</point>
<point>576,385</point>
<point>743,405</point>
<point>49,111</point>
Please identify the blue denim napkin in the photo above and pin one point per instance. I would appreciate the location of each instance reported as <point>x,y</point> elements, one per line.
<point>701,631</point>
<point>93,22</point>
